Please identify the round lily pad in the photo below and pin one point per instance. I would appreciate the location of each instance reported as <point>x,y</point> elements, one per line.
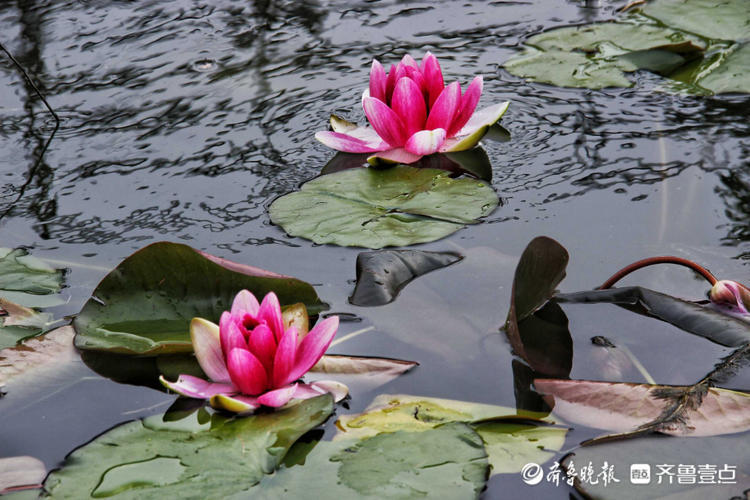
<point>374,208</point>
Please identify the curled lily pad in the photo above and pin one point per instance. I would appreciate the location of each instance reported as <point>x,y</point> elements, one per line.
<point>184,458</point>
<point>144,306</point>
<point>375,208</point>
<point>382,274</point>
<point>538,330</point>
<point>689,316</point>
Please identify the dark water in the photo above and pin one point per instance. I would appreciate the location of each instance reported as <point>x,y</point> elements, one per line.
<point>183,120</point>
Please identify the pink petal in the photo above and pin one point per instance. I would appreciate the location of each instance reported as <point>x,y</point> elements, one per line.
<point>425,142</point>
<point>236,403</point>
<point>313,346</point>
<point>394,75</point>
<point>247,372</point>
<point>445,108</point>
<point>377,80</point>
<point>207,346</point>
<point>393,156</point>
<point>468,104</point>
<point>433,76</point>
<point>230,334</point>
<point>416,75</point>
<point>408,103</point>
<point>284,361</point>
<point>385,121</point>
<point>270,312</point>
<point>484,117</point>
<point>278,397</point>
<point>262,343</point>
<point>194,387</point>
<point>408,61</point>
<point>245,302</point>
<point>349,144</point>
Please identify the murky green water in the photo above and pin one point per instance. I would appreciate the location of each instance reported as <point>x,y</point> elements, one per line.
<point>183,120</point>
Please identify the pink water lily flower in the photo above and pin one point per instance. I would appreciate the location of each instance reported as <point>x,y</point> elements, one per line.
<point>253,359</point>
<point>413,113</point>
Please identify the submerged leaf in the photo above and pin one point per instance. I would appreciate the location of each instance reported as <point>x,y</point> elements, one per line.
<point>680,469</point>
<point>623,407</point>
<point>381,275</point>
<point>689,316</point>
<point>144,306</point>
<point>151,457</point>
<point>375,208</point>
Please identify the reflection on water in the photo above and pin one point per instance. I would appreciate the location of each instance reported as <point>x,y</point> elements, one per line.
<point>183,121</point>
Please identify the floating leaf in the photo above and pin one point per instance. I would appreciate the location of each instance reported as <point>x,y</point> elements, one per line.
<point>511,445</point>
<point>709,467</point>
<point>540,336</point>
<point>364,373</point>
<point>144,306</point>
<point>18,322</point>
<point>45,353</point>
<point>375,208</point>
<point>598,55</point>
<point>382,274</point>
<point>26,280</point>
<point>21,472</point>
<point>180,459</point>
<point>445,462</point>
<point>715,19</point>
<point>689,316</point>
<point>623,407</point>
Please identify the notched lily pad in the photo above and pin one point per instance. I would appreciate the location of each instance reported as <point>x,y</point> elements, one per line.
<point>144,306</point>
<point>375,208</point>
<point>382,274</point>
<point>154,458</point>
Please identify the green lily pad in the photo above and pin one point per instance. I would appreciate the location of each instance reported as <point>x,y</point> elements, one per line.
<point>375,208</point>
<point>151,458</point>
<point>144,306</point>
<point>448,461</point>
<point>698,44</point>
<point>512,438</point>
<point>26,280</point>
<point>714,19</point>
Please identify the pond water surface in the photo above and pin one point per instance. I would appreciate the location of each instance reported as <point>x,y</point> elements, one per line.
<point>183,121</point>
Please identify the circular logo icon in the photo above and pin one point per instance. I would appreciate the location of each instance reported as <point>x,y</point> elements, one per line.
<point>532,474</point>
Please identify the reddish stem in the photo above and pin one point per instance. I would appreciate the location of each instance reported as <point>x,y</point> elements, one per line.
<point>658,260</point>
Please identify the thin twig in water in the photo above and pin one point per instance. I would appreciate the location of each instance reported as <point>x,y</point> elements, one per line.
<point>33,170</point>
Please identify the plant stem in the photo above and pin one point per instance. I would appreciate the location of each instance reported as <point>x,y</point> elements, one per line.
<point>667,259</point>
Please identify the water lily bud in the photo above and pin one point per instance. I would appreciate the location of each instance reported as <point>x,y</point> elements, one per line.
<point>727,292</point>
